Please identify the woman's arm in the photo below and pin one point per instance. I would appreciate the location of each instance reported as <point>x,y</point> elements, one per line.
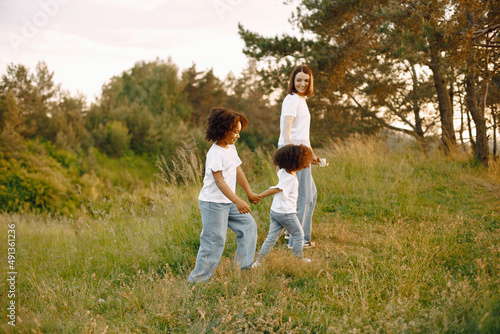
<point>243,182</point>
<point>315,159</point>
<point>287,129</point>
<point>242,206</point>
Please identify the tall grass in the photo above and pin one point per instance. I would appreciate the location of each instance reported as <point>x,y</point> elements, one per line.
<point>406,243</point>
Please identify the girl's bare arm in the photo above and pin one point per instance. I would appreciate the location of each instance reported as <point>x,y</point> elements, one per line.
<point>243,207</point>
<point>243,182</point>
<point>270,192</point>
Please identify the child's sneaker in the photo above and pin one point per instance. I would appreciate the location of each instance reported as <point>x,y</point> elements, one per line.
<point>255,264</point>
<point>309,244</point>
<point>287,235</point>
<point>305,259</point>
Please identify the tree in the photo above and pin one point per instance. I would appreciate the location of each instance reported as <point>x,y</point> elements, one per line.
<point>11,125</point>
<point>430,35</point>
<point>67,124</point>
<point>117,139</point>
<point>33,94</point>
<point>149,94</point>
<point>246,94</point>
<point>477,31</point>
<point>493,102</point>
<point>204,91</point>
<point>329,56</point>
<point>360,51</point>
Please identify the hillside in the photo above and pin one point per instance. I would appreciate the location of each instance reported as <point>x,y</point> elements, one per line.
<point>406,242</point>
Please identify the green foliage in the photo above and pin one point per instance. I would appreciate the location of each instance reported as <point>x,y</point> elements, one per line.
<point>40,180</point>
<point>149,102</point>
<point>117,139</point>
<point>43,178</point>
<point>32,106</point>
<point>146,112</point>
<point>251,98</point>
<point>154,85</point>
<point>203,91</point>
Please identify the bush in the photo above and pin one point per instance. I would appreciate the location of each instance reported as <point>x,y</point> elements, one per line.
<point>117,139</point>
<point>36,181</point>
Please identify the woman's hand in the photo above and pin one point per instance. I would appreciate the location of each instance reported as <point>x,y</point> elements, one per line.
<point>254,198</point>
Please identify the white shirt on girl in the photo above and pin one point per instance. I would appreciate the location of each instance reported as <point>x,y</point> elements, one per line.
<point>286,200</point>
<point>219,159</point>
<point>296,106</point>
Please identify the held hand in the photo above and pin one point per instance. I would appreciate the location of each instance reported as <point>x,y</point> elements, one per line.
<point>243,207</point>
<point>315,160</point>
<point>254,198</point>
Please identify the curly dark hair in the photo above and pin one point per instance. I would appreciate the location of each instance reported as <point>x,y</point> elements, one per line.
<point>221,121</point>
<point>293,157</point>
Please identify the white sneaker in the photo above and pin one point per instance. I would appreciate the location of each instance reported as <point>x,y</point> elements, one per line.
<point>287,235</point>
<point>309,244</point>
<point>305,259</point>
<point>255,264</point>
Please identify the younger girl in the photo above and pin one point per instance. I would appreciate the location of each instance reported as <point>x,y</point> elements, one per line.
<point>220,207</point>
<point>290,159</point>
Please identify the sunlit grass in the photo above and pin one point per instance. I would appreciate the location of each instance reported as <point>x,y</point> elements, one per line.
<point>406,243</point>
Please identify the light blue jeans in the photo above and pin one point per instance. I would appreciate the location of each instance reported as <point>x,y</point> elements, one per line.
<point>306,202</point>
<point>216,218</point>
<point>290,222</point>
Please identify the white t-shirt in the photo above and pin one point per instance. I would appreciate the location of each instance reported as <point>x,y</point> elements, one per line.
<point>286,200</point>
<point>219,159</point>
<point>296,106</point>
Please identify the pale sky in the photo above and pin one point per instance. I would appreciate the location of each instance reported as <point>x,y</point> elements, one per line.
<point>86,42</point>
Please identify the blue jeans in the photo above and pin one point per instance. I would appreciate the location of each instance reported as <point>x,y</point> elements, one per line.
<point>306,202</point>
<point>290,222</point>
<point>216,218</point>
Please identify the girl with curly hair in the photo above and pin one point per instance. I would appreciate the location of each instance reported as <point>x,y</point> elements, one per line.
<point>290,159</point>
<point>220,207</point>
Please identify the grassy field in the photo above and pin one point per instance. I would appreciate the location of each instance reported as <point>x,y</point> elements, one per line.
<point>406,243</point>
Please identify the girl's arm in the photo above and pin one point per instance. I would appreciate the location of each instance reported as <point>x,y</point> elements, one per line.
<point>243,182</point>
<point>242,206</point>
<point>270,192</point>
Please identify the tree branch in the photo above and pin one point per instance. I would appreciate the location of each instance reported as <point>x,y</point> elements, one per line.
<point>380,120</point>
<point>479,33</point>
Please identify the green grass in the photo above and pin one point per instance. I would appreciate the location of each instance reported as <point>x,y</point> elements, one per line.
<point>406,243</point>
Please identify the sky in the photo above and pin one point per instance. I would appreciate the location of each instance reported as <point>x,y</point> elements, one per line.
<point>87,42</point>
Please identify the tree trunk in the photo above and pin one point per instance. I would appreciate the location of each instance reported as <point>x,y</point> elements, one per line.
<point>462,122</point>
<point>416,110</point>
<point>476,107</point>
<point>482,148</point>
<point>445,107</point>
<point>471,137</point>
<point>494,116</point>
